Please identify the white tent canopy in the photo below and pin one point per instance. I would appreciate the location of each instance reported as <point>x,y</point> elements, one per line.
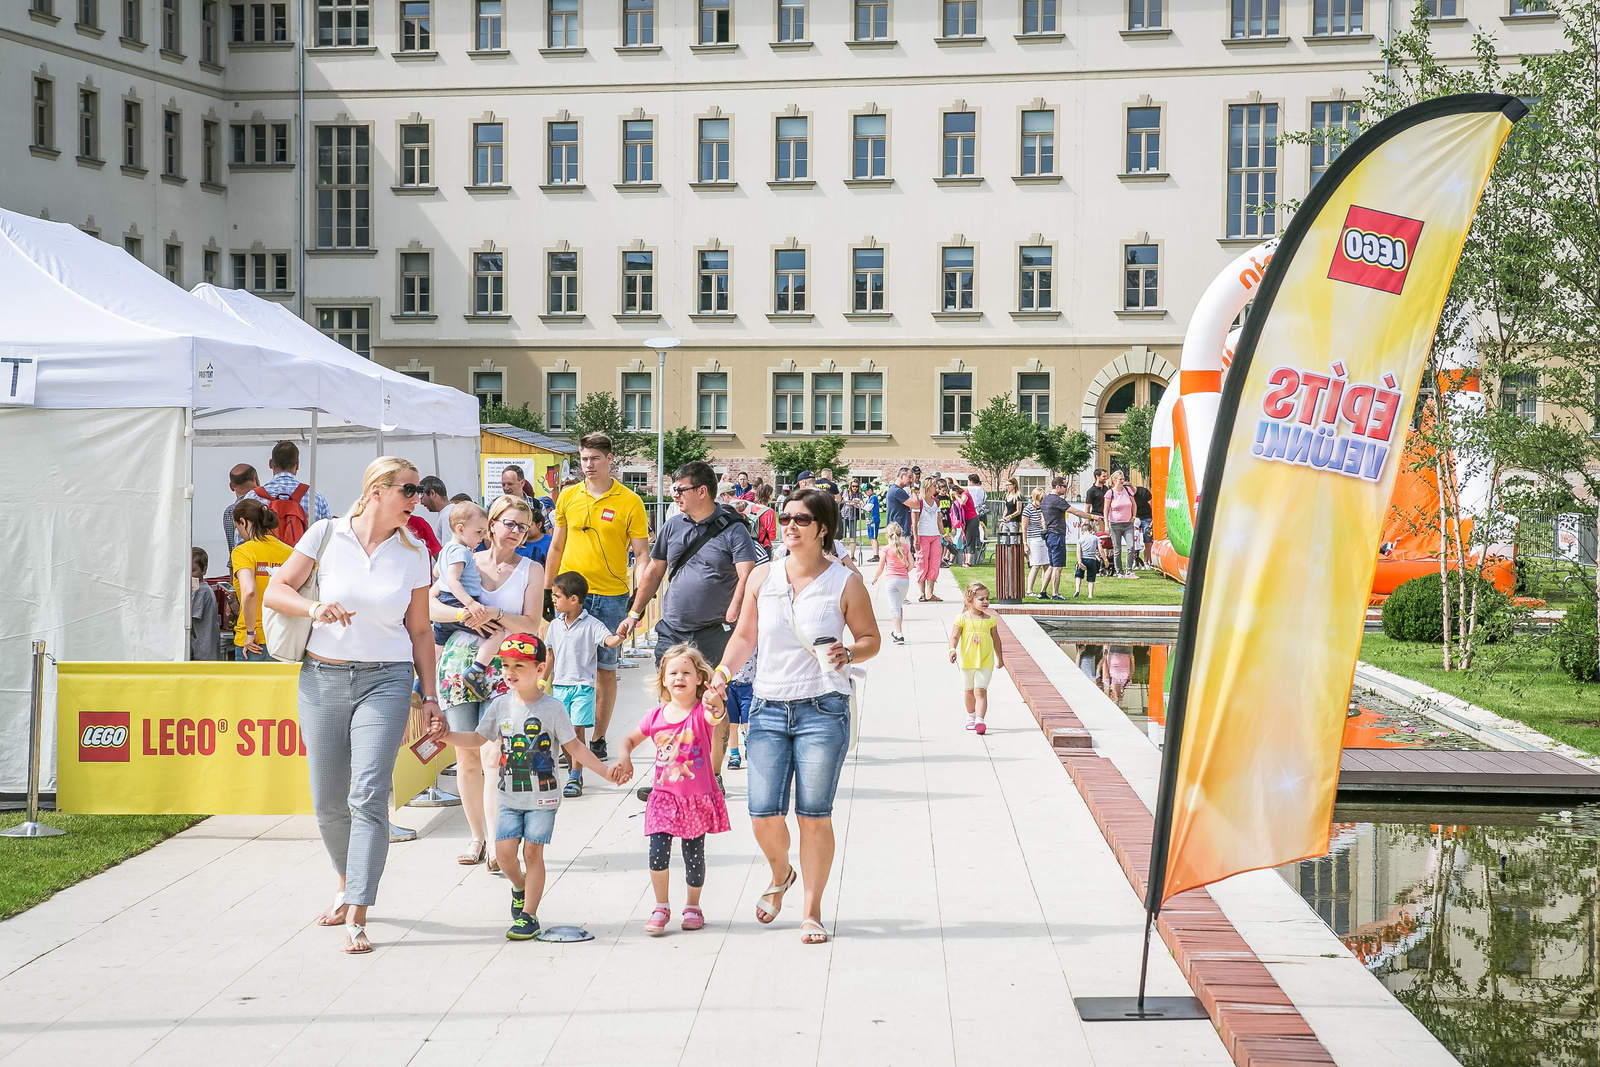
<point>96,502</point>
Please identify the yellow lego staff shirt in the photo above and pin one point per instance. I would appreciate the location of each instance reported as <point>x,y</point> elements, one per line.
<point>598,531</point>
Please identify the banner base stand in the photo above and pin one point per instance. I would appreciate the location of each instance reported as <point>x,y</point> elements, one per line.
<point>433,797</point>
<point>32,829</point>
<point>1128,1009</point>
<point>563,934</point>
<point>400,833</point>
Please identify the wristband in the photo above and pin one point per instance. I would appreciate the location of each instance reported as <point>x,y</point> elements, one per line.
<point>724,671</point>
<point>316,608</point>
<point>461,614</point>
<point>430,700</point>
<point>634,615</point>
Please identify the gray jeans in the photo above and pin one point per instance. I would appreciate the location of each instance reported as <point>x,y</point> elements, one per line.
<point>1122,532</point>
<point>353,718</point>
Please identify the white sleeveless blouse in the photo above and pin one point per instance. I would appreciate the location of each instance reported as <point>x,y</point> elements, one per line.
<point>788,670</point>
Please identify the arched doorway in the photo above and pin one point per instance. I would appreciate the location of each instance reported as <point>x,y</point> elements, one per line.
<point>1117,400</point>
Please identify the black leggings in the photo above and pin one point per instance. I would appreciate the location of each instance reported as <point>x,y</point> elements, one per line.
<point>694,857</point>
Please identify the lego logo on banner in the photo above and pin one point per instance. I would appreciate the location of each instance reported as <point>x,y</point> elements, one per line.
<point>19,377</point>
<point>1375,249</point>
<point>102,737</point>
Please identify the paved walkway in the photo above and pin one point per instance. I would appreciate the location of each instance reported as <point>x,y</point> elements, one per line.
<point>973,897</point>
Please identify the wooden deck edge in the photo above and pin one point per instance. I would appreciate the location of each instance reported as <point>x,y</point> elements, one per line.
<point>1258,1024</point>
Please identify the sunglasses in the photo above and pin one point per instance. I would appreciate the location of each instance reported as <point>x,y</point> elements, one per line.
<point>679,490</point>
<point>409,490</point>
<point>785,518</point>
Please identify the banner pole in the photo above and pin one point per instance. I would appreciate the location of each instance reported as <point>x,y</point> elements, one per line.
<point>33,827</point>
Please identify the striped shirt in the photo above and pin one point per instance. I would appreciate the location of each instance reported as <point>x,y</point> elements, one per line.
<point>1032,521</point>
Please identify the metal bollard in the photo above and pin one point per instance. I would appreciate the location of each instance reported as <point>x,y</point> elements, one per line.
<point>33,827</point>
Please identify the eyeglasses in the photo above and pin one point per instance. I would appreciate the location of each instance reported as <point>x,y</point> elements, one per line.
<point>514,527</point>
<point>679,490</point>
<point>799,519</point>
<point>409,490</point>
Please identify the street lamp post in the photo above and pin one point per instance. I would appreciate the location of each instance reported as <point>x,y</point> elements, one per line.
<point>660,345</point>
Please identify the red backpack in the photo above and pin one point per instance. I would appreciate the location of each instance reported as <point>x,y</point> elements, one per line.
<point>291,514</point>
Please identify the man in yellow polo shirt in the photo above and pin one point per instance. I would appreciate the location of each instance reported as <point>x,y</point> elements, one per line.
<point>597,524</point>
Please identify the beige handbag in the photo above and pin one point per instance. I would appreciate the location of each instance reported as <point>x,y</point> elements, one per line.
<point>286,635</point>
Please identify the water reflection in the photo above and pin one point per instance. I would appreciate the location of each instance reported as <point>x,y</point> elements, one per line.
<point>1123,673</point>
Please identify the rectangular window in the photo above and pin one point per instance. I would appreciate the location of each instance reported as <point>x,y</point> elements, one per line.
<point>791,20</point>
<point>44,113</point>
<point>1519,394</point>
<point>639,23</point>
<point>714,150</point>
<point>239,23</point>
<point>1141,283</point>
<point>488,153</point>
<point>638,283</point>
<point>488,283</point>
<point>280,22</point>
<point>960,18</point>
<point>960,144</point>
<point>342,23</point>
<point>792,149</point>
<point>131,20</point>
<point>208,152</point>
<point>416,283</point>
<point>490,26</point>
<point>563,270</point>
<point>89,13</point>
<point>208,31</point>
<point>169,26</point>
<point>258,264</point>
<point>241,271</point>
<point>872,20</point>
<point>351,327</point>
<point>258,143</point>
<point>171,144</point>
<point>790,281</point>
<point>866,403</point>
<point>1038,142</point>
<point>1033,397</point>
<point>716,21</point>
<point>280,142</point>
<point>636,401</point>
<point>1254,18</point>
<point>416,26</point>
<point>1144,140</point>
<point>1144,15</point>
<point>1334,124</point>
<point>639,151</point>
<point>871,146</point>
<point>868,264</point>
<point>209,265</point>
<point>563,153</point>
<point>344,187</point>
<point>827,403</point>
<point>88,124</point>
<point>134,246</point>
<point>415,150</point>
<point>564,23</point>
<point>713,396</point>
<point>241,141</point>
<point>259,24</point>
<point>563,390</point>
<point>1252,170</point>
<point>958,278</point>
<point>489,387</point>
<point>1038,16</point>
<point>1440,9</point>
<point>955,403</point>
<point>280,272</point>
<point>174,264</point>
<point>788,403</point>
<point>132,135</point>
<point>1037,292</point>
<point>1332,17</point>
<point>713,283</point>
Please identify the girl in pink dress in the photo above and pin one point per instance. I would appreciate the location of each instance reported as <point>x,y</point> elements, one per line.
<point>685,802</point>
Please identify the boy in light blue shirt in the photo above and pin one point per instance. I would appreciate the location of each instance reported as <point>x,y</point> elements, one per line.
<point>574,638</point>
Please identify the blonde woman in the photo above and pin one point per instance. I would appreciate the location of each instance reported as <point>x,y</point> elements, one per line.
<point>371,639</point>
<point>927,516</point>
<point>1033,537</point>
<point>896,562</point>
<point>512,602</point>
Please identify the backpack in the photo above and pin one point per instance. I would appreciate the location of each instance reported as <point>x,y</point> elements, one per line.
<point>766,528</point>
<point>291,514</point>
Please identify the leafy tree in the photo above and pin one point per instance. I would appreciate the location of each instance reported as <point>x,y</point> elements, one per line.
<point>1133,439</point>
<point>1062,450</point>
<point>599,413</point>
<point>684,445</point>
<point>791,458</point>
<point>521,418</point>
<point>1001,437</point>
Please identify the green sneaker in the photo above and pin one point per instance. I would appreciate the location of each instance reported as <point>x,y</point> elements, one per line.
<point>519,897</point>
<point>523,928</point>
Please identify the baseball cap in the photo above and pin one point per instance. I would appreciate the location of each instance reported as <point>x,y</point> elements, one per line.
<point>805,476</point>
<point>724,488</point>
<point>525,647</point>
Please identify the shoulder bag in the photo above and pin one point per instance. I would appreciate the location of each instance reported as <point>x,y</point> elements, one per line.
<point>286,635</point>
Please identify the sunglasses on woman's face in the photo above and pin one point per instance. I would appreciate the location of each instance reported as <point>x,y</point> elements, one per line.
<point>799,518</point>
<point>409,490</point>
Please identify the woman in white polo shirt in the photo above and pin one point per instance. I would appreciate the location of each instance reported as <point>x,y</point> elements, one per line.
<point>372,638</point>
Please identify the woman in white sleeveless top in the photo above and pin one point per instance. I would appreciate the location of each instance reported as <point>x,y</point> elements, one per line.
<point>512,601</point>
<point>800,720</point>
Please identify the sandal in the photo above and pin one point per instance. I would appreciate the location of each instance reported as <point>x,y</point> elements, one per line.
<point>693,917</point>
<point>476,847</point>
<point>352,946</point>
<point>493,864</point>
<point>922,600</point>
<point>936,600</point>
<point>813,933</point>
<point>765,914</point>
<point>656,925</point>
<point>330,917</point>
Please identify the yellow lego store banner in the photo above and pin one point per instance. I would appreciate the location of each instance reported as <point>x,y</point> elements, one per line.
<point>193,738</point>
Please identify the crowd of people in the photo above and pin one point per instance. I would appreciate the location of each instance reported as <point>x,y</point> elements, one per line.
<point>1111,535</point>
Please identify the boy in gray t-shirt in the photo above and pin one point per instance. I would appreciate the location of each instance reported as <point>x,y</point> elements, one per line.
<point>1088,559</point>
<point>575,638</point>
<point>531,728</point>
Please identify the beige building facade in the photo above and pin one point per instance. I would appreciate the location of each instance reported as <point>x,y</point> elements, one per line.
<point>858,216</point>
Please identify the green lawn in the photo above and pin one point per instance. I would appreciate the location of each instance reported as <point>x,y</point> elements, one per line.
<point>1517,679</point>
<point>1151,587</point>
<point>34,869</point>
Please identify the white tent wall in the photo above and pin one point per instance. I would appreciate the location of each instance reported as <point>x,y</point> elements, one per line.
<point>94,520</point>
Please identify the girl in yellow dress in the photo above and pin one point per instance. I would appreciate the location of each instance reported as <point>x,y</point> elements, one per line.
<point>975,648</point>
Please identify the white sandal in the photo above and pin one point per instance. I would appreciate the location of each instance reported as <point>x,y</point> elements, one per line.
<point>328,918</point>
<point>353,931</point>
<point>765,914</point>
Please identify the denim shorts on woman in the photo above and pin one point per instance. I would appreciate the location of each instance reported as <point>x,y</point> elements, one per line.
<point>801,742</point>
<point>535,827</point>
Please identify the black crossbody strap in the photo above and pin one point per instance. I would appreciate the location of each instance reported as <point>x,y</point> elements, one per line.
<point>721,521</point>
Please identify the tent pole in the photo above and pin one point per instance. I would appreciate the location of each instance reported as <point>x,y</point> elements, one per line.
<point>311,478</point>
<point>437,473</point>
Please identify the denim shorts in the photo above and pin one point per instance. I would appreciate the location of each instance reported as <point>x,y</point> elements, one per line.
<point>579,701</point>
<point>1056,545</point>
<point>801,742</point>
<point>534,827</point>
<point>463,718</point>
<point>610,610</point>
<point>740,696</point>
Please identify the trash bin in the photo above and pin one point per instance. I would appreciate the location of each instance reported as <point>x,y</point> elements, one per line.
<point>1010,565</point>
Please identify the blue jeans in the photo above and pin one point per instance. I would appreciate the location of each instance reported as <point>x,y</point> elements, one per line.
<point>801,742</point>
<point>241,655</point>
<point>610,610</point>
<point>1056,545</point>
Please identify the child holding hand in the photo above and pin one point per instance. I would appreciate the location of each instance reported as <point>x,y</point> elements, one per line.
<point>975,648</point>
<point>685,802</point>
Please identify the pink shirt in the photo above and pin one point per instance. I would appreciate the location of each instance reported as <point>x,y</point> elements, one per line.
<point>1120,505</point>
<point>683,752</point>
<point>894,562</point>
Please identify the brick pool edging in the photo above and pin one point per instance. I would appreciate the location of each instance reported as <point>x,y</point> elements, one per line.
<point>1258,1024</point>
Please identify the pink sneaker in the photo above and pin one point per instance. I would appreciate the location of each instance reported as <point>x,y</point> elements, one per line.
<point>980,728</point>
<point>972,724</point>
<point>657,924</point>
<point>693,918</point>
